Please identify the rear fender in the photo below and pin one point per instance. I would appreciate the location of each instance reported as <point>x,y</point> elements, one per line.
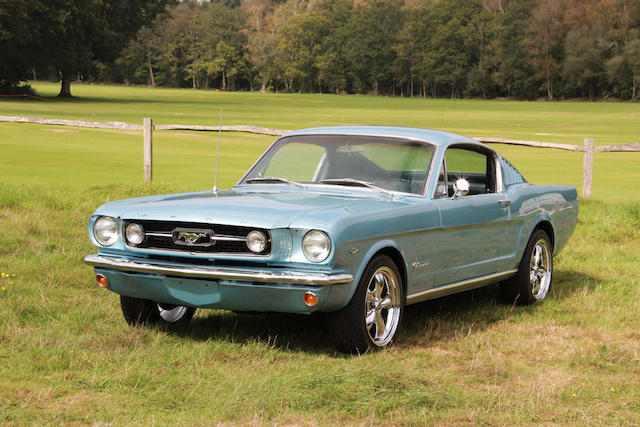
<point>534,225</point>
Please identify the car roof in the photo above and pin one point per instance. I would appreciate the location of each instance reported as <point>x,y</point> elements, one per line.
<point>436,137</point>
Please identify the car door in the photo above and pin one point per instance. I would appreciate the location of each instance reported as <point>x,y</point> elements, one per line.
<point>473,227</point>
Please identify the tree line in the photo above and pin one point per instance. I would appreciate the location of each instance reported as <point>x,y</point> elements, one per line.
<point>433,48</point>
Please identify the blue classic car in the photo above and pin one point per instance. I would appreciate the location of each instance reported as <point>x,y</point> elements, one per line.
<point>354,222</point>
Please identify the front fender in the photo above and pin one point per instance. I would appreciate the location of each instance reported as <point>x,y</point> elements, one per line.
<point>341,295</point>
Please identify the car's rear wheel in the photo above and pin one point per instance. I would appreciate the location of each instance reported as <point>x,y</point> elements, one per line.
<point>372,318</point>
<point>139,311</point>
<point>532,282</point>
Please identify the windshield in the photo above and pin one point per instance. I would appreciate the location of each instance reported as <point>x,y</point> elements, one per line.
<point>386,164</point>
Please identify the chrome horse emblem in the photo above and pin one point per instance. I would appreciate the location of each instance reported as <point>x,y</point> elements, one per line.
<point>193,237</point>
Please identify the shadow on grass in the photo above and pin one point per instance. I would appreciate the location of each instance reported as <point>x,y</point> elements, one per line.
<point>469,312</point>
<point>91,99</point>
<point>292,332</point>
<point>425,323</point>
<point>169,99</point>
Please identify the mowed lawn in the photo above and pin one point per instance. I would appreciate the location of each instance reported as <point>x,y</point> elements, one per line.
<point>78,156</point>
<point>67,356</point>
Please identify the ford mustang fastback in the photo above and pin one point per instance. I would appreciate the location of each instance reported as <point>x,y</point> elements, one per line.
<point>353,222</point>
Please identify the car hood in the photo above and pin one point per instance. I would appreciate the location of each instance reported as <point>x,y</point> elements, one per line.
<point>261,209</point>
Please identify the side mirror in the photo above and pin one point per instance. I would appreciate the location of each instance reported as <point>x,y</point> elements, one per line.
<point>460,188</point>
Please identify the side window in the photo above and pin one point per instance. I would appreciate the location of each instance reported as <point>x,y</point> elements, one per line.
<point>475,166</point>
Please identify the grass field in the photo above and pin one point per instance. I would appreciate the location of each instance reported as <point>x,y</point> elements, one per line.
<point>67,356</point>
<point>76,157</point>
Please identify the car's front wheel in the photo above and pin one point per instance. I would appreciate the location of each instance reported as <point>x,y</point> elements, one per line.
<point>372,318</point>
<point>139,311</point>
<point>532,282</point>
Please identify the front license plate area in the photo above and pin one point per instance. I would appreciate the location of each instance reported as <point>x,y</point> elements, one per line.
<point>197,292</point>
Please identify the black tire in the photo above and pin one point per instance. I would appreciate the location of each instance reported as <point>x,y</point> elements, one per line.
<point>371,320</point>
<point>139,311</point>
<point>533,280</point>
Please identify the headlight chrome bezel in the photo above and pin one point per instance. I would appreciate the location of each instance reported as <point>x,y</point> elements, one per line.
<point>131,227</point>
<point>105,230</point>
<point>262,240</point>
<point>316,246</point>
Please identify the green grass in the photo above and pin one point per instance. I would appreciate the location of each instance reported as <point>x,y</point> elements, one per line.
<point>565,122</point>
<point>79,157</point>
<point>67,356</point>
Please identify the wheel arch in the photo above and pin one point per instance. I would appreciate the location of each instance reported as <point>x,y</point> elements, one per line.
<point>546,226</point>
<point>384,247</point>
<point>397,257</point>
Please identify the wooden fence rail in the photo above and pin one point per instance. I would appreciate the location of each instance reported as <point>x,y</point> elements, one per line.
<point>530,143</point>
<point>147,127</point>
<point>130,126</point>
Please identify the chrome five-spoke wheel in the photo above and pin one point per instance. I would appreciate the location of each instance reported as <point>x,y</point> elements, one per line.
<point>539,271</point>
<point>372,318</point>
<point>382,314</point>
<point>533,279</point>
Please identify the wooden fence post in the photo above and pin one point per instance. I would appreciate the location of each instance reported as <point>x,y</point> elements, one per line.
<point>147,131</point>
<point>587,168</point>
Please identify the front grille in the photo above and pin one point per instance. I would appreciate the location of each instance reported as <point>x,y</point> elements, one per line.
<point>208,238</point>
<point>207,262</point>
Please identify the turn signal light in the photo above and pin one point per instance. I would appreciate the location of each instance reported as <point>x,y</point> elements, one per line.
<point>310,299</point>
<point>102,281</point>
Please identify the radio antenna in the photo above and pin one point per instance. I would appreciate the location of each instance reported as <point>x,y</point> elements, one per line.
<point>215,184</point>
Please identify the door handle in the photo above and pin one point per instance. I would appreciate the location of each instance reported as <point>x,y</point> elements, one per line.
<point>504,203</point>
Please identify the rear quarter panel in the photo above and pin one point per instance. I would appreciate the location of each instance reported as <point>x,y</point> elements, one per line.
<point>533,204</point>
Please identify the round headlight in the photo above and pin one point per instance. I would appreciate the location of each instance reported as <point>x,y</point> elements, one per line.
<point>256,241</point>
<point>105,230</point>
<point>134,233</point>
<point>316,246</point>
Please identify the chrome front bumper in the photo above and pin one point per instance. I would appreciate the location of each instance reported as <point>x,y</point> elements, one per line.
<point>123,264</point>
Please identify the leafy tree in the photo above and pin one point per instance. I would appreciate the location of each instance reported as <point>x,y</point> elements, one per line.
<point>17,40</point>
<point>179,36</point>
<point>261,41</point>
<point>76,33</point>
<point>623,70</point>
<point>483,27</point>
<point>407,47</point>
<point>449,44</point>
<point>372,30</point>
<point>544,42</point>
<point>300,43</point>
<point>220,43</point>
<point>331,59</point>
<point>584,64</point>
<point>520,48</point>
<point>138,60</point>
<point>512,72</point>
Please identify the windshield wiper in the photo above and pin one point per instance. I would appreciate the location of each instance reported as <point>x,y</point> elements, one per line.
<point>272,179</point>
<point>355,183</point>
